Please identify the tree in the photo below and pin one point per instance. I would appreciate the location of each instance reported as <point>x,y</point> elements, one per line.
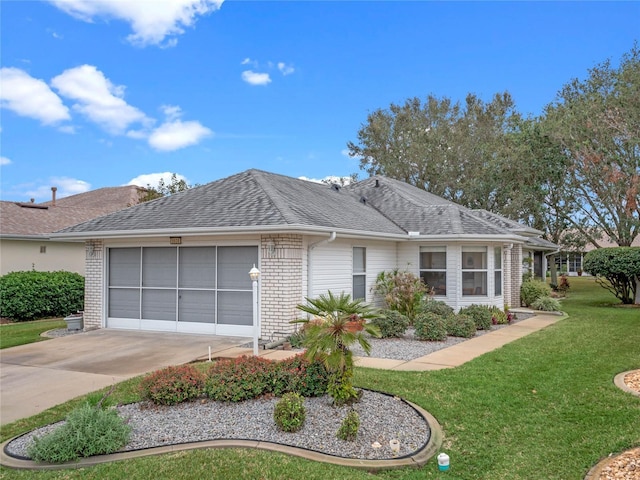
<point>597,124</point>
<point>163,190</point>
<point>616,269</point>
<point>336,324</point>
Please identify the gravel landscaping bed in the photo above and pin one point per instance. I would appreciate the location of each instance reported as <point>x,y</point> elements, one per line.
<point>382,418</point>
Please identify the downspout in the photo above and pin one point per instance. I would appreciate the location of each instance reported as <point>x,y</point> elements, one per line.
<point>331,238</point>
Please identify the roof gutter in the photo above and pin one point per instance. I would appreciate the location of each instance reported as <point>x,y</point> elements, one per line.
<point>310,248</point>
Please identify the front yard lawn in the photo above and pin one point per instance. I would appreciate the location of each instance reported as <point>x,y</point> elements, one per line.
<point>21,333</point>
<point>542,407</point>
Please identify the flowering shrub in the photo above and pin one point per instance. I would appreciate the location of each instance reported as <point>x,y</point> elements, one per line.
<point>289,413</point>
<point>172,385</point>
<point>245,378</point>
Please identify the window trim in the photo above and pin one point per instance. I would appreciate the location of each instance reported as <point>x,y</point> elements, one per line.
<point>472,268</point>
<point>432,249</point>
<point>358,274</point>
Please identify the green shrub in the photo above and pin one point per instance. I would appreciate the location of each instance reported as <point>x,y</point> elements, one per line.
<point>88,431</point>
<point>461,325</point>
<point>30,295</point>
<point>531,290</point>
<point>481,315</point>
<point>348,430</point>
<point>289,413</point>
<point>436,306</point>
<point>297,339</point>
<point>616,269</point>
<point>430,326</point>
<point>546,304</point>
<point>392,324</point>
<point>297,374</point>
<point>172,385</point>
<point>498,316</point>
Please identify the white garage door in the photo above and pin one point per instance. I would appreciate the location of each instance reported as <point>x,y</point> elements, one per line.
<point>181,289</point>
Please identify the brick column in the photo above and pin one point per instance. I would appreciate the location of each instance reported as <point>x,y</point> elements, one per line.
<point>93,288</point>
<point>281,282</point>
<point>516,274</point>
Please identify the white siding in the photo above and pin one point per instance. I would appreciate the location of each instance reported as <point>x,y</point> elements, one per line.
<point>331,268</point>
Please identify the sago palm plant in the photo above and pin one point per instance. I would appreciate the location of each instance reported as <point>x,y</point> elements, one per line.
<point>336,323</point>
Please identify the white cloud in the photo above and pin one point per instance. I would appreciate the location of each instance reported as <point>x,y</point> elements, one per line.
<point>4,161</point>
<point>30,97</point>
<point>285,69</point>
<point>98,99</point>
<point>329,180</point>
<point>171,112</point>
<point>66,186</point>
<point>152,179</point>
<point>176,134</point>
<point>151,22</point>
<point>254,78</point>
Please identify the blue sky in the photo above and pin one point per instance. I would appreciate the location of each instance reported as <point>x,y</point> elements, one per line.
<point>101,93</point>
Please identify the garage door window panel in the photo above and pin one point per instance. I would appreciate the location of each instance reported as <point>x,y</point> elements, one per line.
<point>159,267</point>
<point>124,303</point>
<point>197,268</point>
<point>234,264</point>
<point>197,306</point>
<point>235,308</point>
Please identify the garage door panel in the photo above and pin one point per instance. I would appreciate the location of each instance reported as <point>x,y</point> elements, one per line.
<point>159,267</point>
<point>124,303</point>
<point>159,305</point>
<point>235,308</point>
<point>197,267</point>
<point>196,306</point>
<point>234,264</point>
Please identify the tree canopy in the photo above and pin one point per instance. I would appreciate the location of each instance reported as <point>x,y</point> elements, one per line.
<point>575,169</point>
<point>164,189</point>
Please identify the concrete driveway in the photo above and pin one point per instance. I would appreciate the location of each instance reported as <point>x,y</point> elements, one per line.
<point>40,375</point>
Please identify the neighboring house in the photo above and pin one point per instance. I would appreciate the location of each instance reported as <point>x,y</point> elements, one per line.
<point>571,261</point>
<point>25,228</point>
<point>181,263</point>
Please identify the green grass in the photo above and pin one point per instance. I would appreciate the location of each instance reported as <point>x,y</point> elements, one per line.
<point>22,333</point>
<point>543,407</point>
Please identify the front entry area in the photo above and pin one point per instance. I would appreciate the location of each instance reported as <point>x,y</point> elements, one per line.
<point>181,289</point>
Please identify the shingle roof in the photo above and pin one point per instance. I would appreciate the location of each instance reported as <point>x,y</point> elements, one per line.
<point>419,211</point>
<point>255,200</point>
<point>39,219</point>
<point>249,199</point>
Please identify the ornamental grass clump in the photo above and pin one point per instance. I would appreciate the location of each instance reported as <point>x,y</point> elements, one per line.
<point>348,430</point>
<point>431,327</point>
<point>87,431</point>
<point>172,385</point>
<point>480,314</point>
<point>546,304</point>
<point>392,324</point>
<point>289,412</point>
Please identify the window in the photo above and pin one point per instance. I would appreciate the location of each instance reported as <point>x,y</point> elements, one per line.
<point>359,273</point>
<point>497,270</point>
<point>474,270</point>
<point>43,249</point>
<point>433,268</point>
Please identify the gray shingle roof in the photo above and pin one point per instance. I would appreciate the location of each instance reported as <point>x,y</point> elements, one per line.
<point>255,200</point>
<point>249,199</point>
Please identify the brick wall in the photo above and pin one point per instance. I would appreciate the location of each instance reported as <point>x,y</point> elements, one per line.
<point>516,274</point>
<point>281,282</point>
<point>93,290</point>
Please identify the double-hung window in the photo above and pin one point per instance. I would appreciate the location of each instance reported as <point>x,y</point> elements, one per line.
<point>433,268</point>
<point>359,273</point>
<point>474,270</point>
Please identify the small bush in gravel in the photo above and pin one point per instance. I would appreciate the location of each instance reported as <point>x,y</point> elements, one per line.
<point>461,326</point>
<point>289,412</point>
<point>239,379</point>
<point>531,290</point>
<point>499,317</point>
<point>546,304</point>
<point>481,316</point>
<point>297,374</point>
<point>172,385</point>
<point>436,306</point>
<point>348,430</point>
<point>392,324</point>
<point>430,326</point>
<point>88,431</point>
